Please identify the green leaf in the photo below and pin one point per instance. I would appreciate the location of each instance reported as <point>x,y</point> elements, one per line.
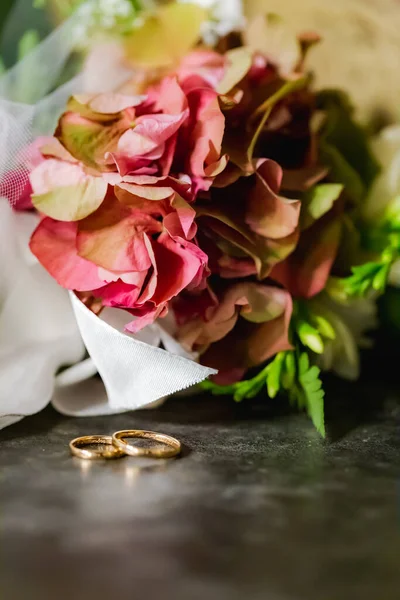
<point>289,371</point>
<point>310,337</point>
<point>341,170</point>
<point>344,145</point>
<point>274,371</point>
<point>217,390</point>
<point>391,217</point>
<point>324,327</point>
<point>313,392</point>
<point>380,280</point>
<point>319,200</point>
<point>27,43</point>
<point>364,278</point>
<point>268,376</point>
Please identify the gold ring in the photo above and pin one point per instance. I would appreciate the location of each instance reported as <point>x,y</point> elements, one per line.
<point>106,447</point>
<point>173,450</point>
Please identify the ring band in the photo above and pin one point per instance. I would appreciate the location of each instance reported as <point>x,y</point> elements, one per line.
<point>106,447</point>
<point>173,449</point>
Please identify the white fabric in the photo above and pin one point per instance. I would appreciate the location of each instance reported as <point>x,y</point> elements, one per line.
<point>39,331</point>
<point>134,373</point>
<point>25,108</point>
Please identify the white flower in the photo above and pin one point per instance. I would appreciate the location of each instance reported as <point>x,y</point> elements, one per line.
<point>103,15</point>
<point>225,16</point>
<point>386,189</point>
<point>351,321</point>
<point>394,274</point>
<point>384,198</point>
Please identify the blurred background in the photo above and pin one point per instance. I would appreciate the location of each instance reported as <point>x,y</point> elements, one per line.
<point>360,47</point>
<point>359,51</point>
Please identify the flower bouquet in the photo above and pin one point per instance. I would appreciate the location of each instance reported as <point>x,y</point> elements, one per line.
<point>212,201</point>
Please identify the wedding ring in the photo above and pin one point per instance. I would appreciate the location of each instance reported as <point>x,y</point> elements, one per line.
<point>174,446</point>
<point>106,448</point>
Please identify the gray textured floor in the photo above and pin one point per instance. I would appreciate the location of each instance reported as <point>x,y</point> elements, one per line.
<point>258,507</point>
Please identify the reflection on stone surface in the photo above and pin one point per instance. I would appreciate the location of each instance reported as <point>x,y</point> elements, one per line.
<point>258,506</point>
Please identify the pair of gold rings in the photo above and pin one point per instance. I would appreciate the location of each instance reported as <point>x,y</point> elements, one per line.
<point>116,446</point>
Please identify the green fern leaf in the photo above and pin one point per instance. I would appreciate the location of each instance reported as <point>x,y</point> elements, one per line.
<point>311,385</point>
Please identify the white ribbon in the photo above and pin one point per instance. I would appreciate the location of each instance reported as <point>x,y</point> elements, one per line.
<point>134,373</point>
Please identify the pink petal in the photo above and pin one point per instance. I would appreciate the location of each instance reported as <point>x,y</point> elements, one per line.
<point>208,124</point>
<point>148,291</point>
<point>119,294</point>
<point>160,127</point>
<point>178,263</point>
<point>147,318</point>
<point>262,315</point>
<point>131,278</point>
<point>207,64</point>
<point>138,204</point>
<point>132,144</point>
<point>217,167</point>
<point>147,192</point>
<point>53,173</point>
<point>271,337</point>
<point>267,213</point>
<point>188,306</point>
<point>181,221</point>
<point>64,191</point>
<point>251,344</point>
<point>142,179</point>
<point>181,186</point>
<point>54,245</point>
<point>126,164</point>
<point>112,103</point>
<point>168,96</point>
<point>305,272</point>
<point>112,237</point>
<point>50,147</point>
<point>231,268</point>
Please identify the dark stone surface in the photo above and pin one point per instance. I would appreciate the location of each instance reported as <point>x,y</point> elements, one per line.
<point>258,506</point>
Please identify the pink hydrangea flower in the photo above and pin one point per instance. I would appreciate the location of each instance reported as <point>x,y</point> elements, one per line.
<point>132,253</point>
<point>241,326</point>
<point>171,130</point>
<point>114,188</point>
